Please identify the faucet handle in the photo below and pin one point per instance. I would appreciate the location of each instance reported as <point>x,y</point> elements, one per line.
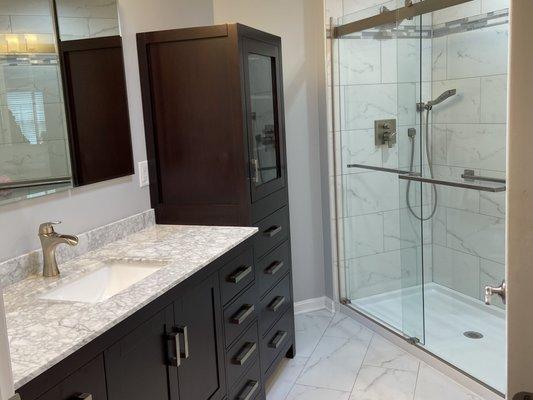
<point>47,228</point>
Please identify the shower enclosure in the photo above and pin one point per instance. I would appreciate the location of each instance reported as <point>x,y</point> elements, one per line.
<point>420,110</point>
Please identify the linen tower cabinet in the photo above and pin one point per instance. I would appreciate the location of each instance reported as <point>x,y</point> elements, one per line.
<point>215,136</point>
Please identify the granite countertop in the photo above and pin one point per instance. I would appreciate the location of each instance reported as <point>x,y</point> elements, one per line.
<point>44,332</point>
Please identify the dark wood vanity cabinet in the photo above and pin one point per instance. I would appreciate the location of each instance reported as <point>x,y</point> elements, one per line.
<point>176,354</point>
<point>215,132</point>
<point>215,136</point>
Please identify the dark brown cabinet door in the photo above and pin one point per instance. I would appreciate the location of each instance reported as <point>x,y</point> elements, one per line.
<point>137,365</point>
<point>197,316</point>
<point>88,380</point>
<point>263,89</point>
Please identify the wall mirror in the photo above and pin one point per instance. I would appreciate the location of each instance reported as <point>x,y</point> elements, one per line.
<point>63,109</point>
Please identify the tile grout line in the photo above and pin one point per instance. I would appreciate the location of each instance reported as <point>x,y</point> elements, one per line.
<point>310,355</point>
<point>417,376</point>
<point>362,362</point>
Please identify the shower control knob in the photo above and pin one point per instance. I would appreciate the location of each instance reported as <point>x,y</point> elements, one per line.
<point>500,291</point>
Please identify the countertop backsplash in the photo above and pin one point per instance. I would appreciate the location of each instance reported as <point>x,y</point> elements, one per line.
<point>19,268</point>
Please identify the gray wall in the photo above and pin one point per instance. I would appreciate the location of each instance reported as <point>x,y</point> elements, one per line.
<point>86,208</point>
<point>300,25</point>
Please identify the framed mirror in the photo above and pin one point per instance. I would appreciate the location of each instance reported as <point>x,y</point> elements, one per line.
<point>34,148</point>
<point>64,118</point>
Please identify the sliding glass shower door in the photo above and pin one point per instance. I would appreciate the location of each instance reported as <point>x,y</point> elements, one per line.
<point>382,227</point>
<point>423,113</point>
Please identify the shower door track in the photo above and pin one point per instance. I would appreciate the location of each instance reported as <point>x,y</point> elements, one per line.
<point>394,16</point>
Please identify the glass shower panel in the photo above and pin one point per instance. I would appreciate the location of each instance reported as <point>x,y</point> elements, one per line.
<point>379,75</point>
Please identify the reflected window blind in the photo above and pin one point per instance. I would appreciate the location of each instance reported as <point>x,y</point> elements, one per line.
<point>27,109</point>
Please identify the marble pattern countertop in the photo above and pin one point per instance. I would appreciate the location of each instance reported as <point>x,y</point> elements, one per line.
<point>44,332</point>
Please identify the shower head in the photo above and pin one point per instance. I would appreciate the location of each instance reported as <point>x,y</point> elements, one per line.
<point>441,98</point>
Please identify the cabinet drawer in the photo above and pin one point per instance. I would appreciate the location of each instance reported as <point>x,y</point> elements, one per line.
<point>242,355</point>
<point>249,386</point>
<point>273,230</point>
<point>236,275</point>
<point>239,314</point>
<point>275,303</point>
<point>89,380</point>
<point>277,340</point>
<point>273,266</point>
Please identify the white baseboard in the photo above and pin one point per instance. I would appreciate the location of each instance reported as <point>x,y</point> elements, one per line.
<point>318,303</point>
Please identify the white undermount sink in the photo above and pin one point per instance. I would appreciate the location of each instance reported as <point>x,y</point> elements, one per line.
<point>111,278</point>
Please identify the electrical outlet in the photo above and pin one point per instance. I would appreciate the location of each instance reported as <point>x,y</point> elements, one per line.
<point>144,179</point>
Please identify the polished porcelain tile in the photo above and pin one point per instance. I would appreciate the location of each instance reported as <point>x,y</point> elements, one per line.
<point>334,363</point>
<point>375,383</point>
<point>432,385</point>
<point>309,330</point>
<point>336,370</point>
<point>302,392</point>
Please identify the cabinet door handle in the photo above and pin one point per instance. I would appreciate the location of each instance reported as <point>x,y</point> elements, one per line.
<point>274,268</point>
<point>249,391</point>
<point>273,231</point>
<point>278,340</point>
<point>84,396</point>
<point>255,166</point>
<point>244,312</point>
<point>246,352</point>
<point>276,303</point>
<point>240,274</point>
<point>175,360</point>
<point>185,332</point>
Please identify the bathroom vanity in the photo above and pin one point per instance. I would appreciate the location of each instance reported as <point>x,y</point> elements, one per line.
<point>190,329</point>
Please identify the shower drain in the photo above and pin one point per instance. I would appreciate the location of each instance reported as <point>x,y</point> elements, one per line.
<point>473,335</point>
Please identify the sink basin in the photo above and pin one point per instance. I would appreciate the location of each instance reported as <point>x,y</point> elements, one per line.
<point>111,278</point>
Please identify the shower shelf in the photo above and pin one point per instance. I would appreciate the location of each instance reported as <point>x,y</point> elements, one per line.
<point>494,187</point>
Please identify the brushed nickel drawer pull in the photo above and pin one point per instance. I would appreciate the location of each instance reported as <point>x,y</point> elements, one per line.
<point>246,352</point>
<point>242,315</point>
<point>276,303</point>
<point>278,340</point>
<point>240,274</point>
<point>274,268</point>
<point>175,360</point>
<point>185,332</point>
<point>273,231</point>
<point>249,390</point>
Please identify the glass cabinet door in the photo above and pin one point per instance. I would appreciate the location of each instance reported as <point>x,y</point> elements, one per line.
<point>264,121</point>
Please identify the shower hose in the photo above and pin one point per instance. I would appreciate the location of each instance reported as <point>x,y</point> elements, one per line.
<point>430,164</point>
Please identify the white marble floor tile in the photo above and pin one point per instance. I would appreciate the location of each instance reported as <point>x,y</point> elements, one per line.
<point>301,392</point>
<point>335,363</point>
<point>281,382</point>
<point>375,383</point>
<point>384,354</point>
<point>432,385</point>
<point>343,326</point>
<point>309,329</point>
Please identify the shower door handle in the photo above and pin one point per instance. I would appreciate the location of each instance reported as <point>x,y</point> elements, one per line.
<point>500,291</point>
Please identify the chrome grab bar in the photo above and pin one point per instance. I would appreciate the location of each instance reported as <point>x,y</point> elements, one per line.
<point>383,169</point>
<point>493,189</point>
<point>34,183</point>
<point>470,175</point>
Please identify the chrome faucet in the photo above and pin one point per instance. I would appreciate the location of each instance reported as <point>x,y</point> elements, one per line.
<point>50,239</point>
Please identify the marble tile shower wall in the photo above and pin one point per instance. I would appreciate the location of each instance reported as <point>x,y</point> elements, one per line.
<point>379,242</point>
<point>39,149</point>
<point>469,132</point>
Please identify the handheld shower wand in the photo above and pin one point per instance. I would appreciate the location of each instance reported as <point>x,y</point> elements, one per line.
<point>426,107</point>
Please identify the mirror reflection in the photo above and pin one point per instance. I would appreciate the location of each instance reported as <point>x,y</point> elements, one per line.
<point>84,19</point>
<point>34,151</point>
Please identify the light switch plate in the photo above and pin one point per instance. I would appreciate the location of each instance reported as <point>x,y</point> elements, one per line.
<point>144,178</point>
